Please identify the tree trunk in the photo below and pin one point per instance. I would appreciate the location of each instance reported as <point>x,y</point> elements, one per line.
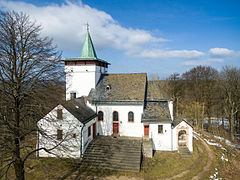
<point>232,125</point>
<point>209,124</point>
<point>223,123</point>
<point>18,164</point>
<point>177,107</point>
<point>19,169</point>
<point>203,105</point>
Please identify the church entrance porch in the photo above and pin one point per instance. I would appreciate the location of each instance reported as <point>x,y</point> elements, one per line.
<point>182,144</point>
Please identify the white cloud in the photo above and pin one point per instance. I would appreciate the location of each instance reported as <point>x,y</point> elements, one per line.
<point>165,54</point>
<point>66,24</point>
<point>221,52</point>
<point>209,61</point>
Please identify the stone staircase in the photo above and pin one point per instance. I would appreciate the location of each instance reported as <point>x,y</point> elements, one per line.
<point>117,153</point>
<point>184,151</point>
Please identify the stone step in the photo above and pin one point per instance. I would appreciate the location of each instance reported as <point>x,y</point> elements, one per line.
<point>112,162</point>
<point>115,159</point>
<point>112,150</point>
<point>116,166</point>
<point>113,153</point>
<point>120,155</point>
<point>120,139</point>
<point>184,151</point>
<point>115,144</point>
<point>103,144</point>
<point>115,147</point>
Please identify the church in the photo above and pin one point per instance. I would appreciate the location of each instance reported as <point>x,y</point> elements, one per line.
<point>102,104</point>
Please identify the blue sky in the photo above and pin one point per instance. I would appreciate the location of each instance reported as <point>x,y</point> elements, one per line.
<point>153,36</point>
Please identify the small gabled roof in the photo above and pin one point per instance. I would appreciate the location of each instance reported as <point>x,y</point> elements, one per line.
<point>79,109</point>
<point>177,121</point>
<point>88,50</point>
<point>120,88</point>
<point>156,111</point>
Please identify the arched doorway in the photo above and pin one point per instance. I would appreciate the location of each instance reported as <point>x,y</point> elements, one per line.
<point>182,138</point>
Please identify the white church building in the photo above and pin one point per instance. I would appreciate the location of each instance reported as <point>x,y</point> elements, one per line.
<point>102,104</point>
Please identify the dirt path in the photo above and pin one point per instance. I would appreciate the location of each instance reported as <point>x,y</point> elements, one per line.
<point>209,162</point>
<point>205,169</point>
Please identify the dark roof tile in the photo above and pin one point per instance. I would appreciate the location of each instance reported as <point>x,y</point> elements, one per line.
<point>156,111</point>
<point>155,91</point>
<point>79,109</point>
<point>120,88</point>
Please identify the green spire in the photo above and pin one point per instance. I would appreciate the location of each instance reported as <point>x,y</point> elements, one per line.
<point>88,50</point>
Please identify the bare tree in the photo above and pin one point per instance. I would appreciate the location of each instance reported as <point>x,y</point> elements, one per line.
<point>29,69</point>
<point>230,87</point>
<point>175,89</point>
<point>200,86</point>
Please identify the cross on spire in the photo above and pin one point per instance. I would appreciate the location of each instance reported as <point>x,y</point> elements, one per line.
<point>87,26</point>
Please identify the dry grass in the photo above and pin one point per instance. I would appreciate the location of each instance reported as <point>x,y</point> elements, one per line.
<point>163,165</point>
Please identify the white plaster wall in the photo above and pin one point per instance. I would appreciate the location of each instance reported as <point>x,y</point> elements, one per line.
<point>190,143</point>
<point>125,128</point>
<point>69,146</point>
<point>85,138</point>
<point>82,78</point>
<point>183,125</point>
<point>175,145</point>
<point>161,141</point>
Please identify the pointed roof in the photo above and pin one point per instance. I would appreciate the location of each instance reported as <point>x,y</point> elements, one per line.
<point>88,50</point>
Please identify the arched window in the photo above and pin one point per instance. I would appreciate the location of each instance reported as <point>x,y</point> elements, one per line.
<point>100,116</point>
<point>115,116</point>
<point>130,116</point>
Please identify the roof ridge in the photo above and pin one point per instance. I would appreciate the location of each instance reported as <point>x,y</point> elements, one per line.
<point>123,73</point>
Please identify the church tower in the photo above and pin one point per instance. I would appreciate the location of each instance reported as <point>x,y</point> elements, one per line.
<point>84,72</point>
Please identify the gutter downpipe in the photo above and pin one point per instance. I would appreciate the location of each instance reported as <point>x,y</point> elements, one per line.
<point>172,135</point>
<point>171,138</point>
<point>81,148</point>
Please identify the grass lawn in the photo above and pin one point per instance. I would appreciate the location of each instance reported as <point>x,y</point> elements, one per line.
<point>163,165</point>
<point>168,164</point>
